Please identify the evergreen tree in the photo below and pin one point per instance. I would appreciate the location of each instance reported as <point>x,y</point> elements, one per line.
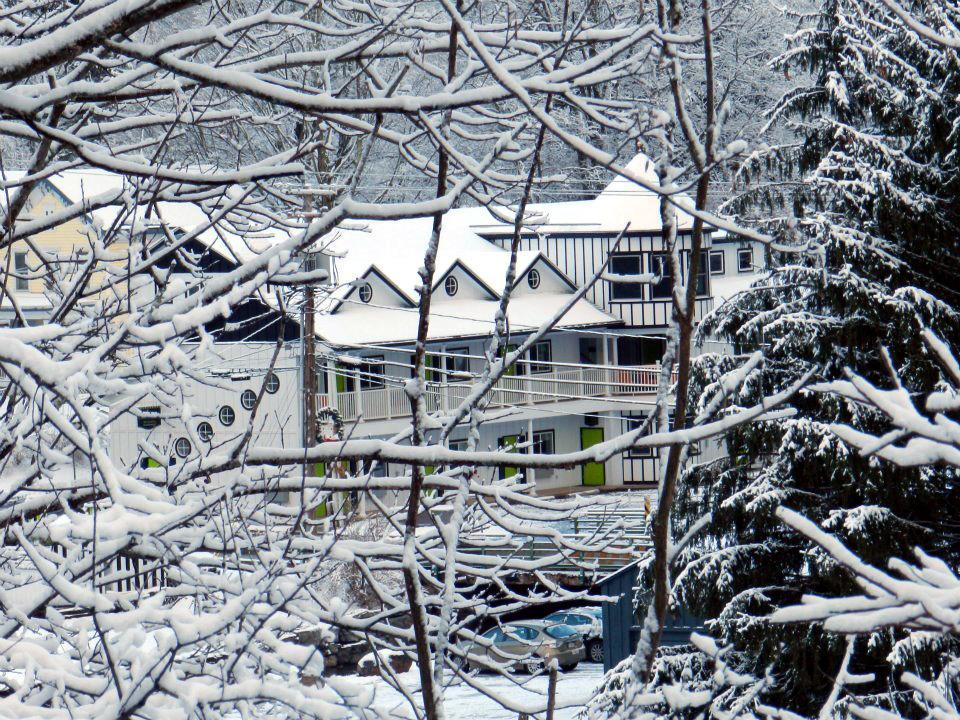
<point>878,199</point>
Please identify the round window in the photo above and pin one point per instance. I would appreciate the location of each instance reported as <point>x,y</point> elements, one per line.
<point>227,415</point>
<point>533,279</point>
<point>366,293</point>
<point>451,285</point>
<point>205,431</point>
<point>271,383</point>
<point>248,398</point>
<point>182,446</point>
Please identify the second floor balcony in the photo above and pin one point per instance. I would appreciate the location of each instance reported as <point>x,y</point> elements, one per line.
<point>556,383</point>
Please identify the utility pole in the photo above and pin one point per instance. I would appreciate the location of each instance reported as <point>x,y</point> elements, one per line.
<point>309,351</point>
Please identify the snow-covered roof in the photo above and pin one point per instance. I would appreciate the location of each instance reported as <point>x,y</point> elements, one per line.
<point>469,317</point>
<point>725,287</point>
<point>226,238</point>
<point>622,201</point>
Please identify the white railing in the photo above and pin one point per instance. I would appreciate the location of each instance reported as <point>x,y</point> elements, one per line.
<point>563,382</point>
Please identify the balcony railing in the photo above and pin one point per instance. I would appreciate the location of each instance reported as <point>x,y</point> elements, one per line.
<point>561,383</point>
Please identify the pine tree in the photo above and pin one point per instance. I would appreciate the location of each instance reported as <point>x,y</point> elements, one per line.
<point>878,199</point>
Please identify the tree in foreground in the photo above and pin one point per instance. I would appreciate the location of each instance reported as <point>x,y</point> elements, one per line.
<point>871,191</point>
<point>282,96</point>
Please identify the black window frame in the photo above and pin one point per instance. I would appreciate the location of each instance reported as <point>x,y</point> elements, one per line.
<point>271,377</point>
<point>536,442</point>
<point>451,286</point>
<point>232,417</point>
<point>149,417</point>
<point>536,366</point>
<point>533,278</point>
<point>621,291</point>
<point>661,266</point>
<point>741,252</point>
<point>632,422</point>
<point>365,288</point>
<point>245,394</point>
<point>205,428</point>
<point>372,373</point>
<point>177,447</point>
<point>453,357</point>
<point>723,262</point>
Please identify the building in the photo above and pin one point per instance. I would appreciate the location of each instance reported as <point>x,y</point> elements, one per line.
<point>222,388</point>
<point>592,377</point>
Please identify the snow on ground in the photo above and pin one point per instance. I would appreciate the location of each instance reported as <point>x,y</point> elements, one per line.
<point>574,689</point>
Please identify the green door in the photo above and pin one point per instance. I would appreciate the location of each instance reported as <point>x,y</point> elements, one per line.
<point>592,473</point>
<point>509,441</point>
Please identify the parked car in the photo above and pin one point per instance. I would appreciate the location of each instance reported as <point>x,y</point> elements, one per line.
<point>528,645</point>
<point>588,622</point>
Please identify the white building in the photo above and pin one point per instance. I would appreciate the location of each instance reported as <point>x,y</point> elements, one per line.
<point>593,376</point>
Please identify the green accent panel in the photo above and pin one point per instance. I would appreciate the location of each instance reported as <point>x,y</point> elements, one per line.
<point>151,463</point>
<point>432,363</point>
<point>341,380</point>
<point>592,473</point>
<point>507,441</point>
<point>504,351</point>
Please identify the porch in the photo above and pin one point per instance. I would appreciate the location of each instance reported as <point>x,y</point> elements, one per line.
<point>560,382</point>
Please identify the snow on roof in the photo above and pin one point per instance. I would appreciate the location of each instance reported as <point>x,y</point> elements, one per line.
<point>725,287</point>
<point>620,202</point>
<point>363,324</point>
<point>227,237</point>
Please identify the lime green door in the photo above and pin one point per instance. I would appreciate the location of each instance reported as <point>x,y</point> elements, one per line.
<point>509,441</point>
<point>592,473</point>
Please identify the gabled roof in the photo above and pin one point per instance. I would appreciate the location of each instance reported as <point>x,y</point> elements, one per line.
<point>458,263</point>
<point>373,270</point>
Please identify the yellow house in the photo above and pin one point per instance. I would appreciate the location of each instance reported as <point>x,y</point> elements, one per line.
<point>60,247</point>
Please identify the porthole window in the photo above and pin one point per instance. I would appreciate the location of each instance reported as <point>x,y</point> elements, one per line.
<point>451,285</point>
<point>182,446</point>
<point>248,398</point>
<point>227,415</point>
<point>533,279</point>
<point>366,293</point>
<point>272,383</point>
<point>205,431</point>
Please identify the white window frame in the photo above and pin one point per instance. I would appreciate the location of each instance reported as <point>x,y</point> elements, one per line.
<point>723,262</point>
<point>741,252</point>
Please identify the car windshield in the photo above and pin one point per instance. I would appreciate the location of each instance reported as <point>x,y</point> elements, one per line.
<point>560,631</point>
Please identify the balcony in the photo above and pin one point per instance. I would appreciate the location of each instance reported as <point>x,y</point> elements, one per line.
<point>562,382</point>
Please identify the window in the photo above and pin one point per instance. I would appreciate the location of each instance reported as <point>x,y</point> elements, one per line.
<point>226,415</point>
<point>20,268</point>
<point>632,422</point>
<point>541,352</point>
<point>533,279</point>
<point>451,285</point>
<point>458,445</point>
<point>744,260</point>
<point>702,274</point>
<point>632,351</point>
<point>182,446</point>
<point>716,262</point>
<point>626,264</point>
<point>544,442</point>
<point>149,417</point>
<point>248,398</point>
<point>366,293</point>
<point>661,267</point>
<point>456,363</point>
<point>372,372</point>
<point>205,431</point>
<point>271,383</point>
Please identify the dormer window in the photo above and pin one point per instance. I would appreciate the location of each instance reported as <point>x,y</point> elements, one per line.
<point>451,285</point>
<point>366,293</point>
<point>533,279</point>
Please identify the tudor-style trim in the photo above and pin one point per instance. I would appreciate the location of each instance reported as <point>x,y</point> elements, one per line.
<point>470,273</point>
<point>372,270</point>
